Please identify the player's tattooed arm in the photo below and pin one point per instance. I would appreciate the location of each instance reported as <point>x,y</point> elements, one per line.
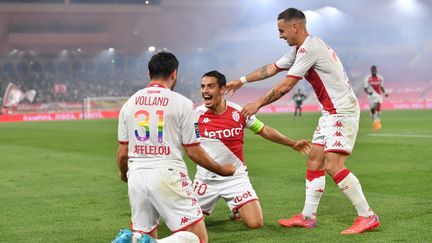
<point>264,73</point>
<point>273,95</point>
<point>279,90</point>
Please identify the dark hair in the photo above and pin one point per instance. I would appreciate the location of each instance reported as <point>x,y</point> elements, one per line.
<point>162,64</point>
<point>373,66</point>
<point>292,13</point>
<point>221,80</point>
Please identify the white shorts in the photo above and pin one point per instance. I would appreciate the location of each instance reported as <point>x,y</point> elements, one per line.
<point>374,99</point>
<point>337,133</point>
<point>235,190</point>
<point>162,192</point>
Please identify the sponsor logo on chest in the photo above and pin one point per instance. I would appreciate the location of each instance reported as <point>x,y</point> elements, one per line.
<point>223,133</point>
<point>222,127</point>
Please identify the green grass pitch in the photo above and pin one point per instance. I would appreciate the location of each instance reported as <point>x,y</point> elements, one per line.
<point>59,183</point>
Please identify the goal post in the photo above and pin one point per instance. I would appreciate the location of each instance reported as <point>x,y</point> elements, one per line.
<point>94,105</point>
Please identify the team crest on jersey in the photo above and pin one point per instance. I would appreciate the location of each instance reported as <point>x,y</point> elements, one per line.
<point>235,116</point>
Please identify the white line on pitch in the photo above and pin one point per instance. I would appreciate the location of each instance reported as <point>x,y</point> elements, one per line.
<point>399,135</point>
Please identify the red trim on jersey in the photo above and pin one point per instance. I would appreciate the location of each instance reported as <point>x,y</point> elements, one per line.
<point>375,82</point>
<point>294,76</point>
<point>225,122</point>
<point>189,225</point>
<point>337,151</point>
<point>123,142</point>
<point>279,68</point>
<point>143,232</point>
<point>234,210</point>
<point>318,144</point>
<point>341,175</point>
<point>317,84</point>
<point>154,84</point>
<point>191,144</point>
<point>313,174</point>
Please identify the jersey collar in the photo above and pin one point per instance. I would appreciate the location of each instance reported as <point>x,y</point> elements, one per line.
<point>154,84</point>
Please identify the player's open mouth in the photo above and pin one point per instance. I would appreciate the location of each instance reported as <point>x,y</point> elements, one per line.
<point>207,99</point>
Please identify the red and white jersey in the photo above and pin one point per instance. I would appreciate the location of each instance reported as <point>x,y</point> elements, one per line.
<point>155,123</point>
<point>222,136</point>
<point>319,65</point>
<point>374,83</point>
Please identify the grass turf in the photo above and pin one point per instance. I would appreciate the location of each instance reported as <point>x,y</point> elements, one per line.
<point>60,183</point>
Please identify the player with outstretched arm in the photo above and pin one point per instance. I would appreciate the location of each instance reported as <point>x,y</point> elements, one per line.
<point>334,137</point>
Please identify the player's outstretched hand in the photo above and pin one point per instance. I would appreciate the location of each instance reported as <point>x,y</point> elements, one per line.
<point>250,109</point>
<point>227,170</point>
<point>232,87</point>
<point>302,146</point>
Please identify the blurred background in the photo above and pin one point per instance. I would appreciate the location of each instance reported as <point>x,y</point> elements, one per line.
<point>85,55</point>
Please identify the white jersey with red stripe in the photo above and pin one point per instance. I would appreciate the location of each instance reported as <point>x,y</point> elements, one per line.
<point>222,136</point>
<point>374,84</point>
<point>155,123</point>
<point>316,62</point>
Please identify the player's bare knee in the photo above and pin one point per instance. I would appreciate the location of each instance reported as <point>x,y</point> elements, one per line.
<point>255,224</point>
<point>333,168</point>
<point>315,164</point>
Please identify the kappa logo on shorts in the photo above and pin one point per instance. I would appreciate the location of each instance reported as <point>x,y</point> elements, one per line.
<point>338,134</point>
<point>338,124</point>
<point>337,144</point>
<point>184,220</point>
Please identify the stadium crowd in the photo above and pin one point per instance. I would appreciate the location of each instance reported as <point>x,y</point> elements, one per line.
<point>75,81</point>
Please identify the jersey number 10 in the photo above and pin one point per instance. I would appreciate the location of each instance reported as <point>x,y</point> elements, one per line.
<point>144,124</point>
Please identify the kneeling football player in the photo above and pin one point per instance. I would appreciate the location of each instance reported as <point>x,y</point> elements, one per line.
<point>221,128</point>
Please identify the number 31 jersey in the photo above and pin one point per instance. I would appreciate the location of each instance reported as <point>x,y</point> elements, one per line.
<point>155,123</point>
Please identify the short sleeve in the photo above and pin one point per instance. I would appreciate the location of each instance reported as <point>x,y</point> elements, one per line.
<point>123,137</point>
<point>189,125</point>
<point>286,62</point>
<point>366,82</point>
<point>306,57</point>
<point>382,81</point>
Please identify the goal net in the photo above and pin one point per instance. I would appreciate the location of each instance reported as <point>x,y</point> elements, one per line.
<point>93,107</point>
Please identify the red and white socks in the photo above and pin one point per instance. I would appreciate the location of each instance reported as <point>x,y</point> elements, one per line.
<point>315,185</point>
<point>350,186</point>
